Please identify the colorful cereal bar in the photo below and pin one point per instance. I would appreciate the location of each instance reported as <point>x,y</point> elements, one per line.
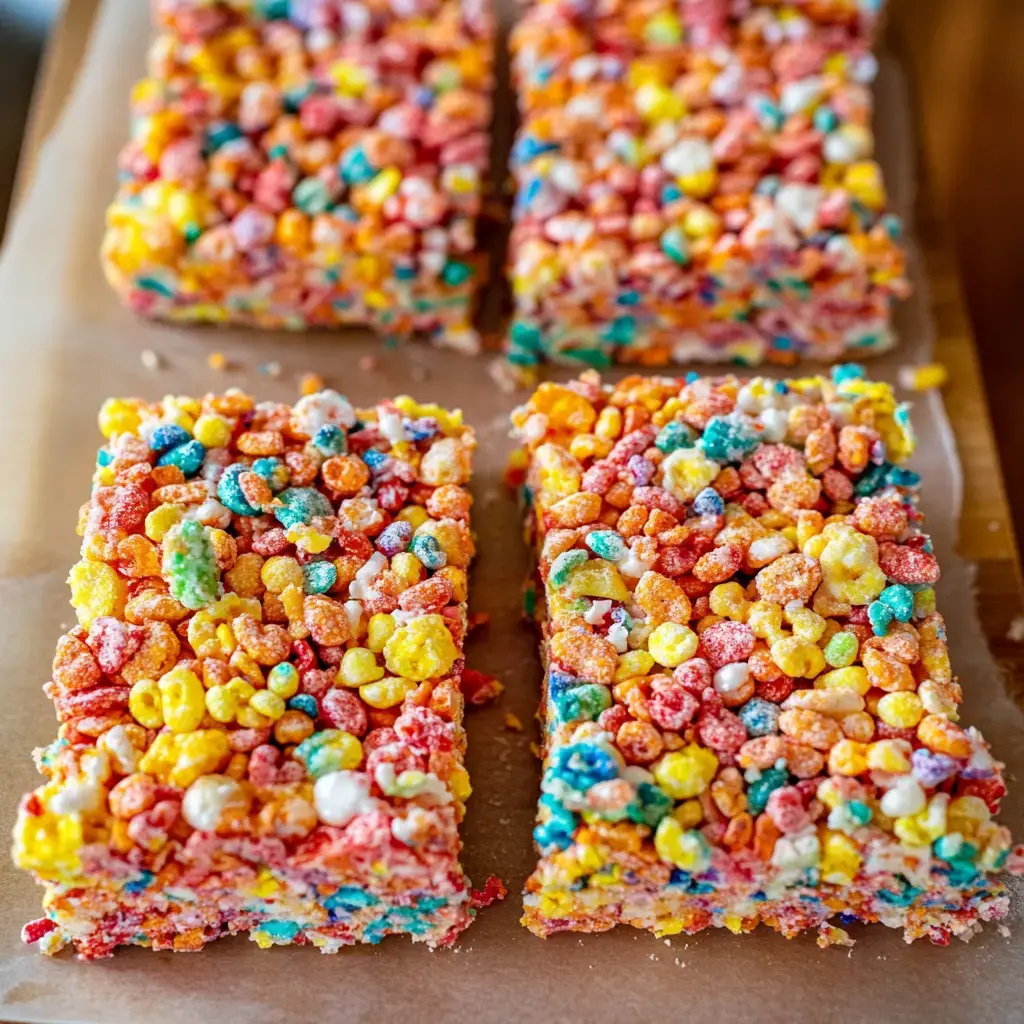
<point>308,164</point>
<point>698,184</point>
<point>749,713</point>
<point>261,720</point>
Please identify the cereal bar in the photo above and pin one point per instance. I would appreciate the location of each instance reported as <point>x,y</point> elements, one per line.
<point>749,713</point>
<point>260,712</point>
<point>308,164</point>
<point>696,181</point>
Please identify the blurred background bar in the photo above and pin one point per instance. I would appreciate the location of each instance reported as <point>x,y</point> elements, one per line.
<point>963,58</point>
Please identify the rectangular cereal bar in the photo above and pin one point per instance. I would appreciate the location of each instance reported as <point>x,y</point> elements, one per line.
<point>749,713</point>
<point>308,164</point>
<point>260,712</point>
<point>696,181</point>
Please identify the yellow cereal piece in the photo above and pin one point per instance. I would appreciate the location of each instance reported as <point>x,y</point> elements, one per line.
<point>598,578</point>
<point>633,664</point>
<point>686,472</point>
<point>840,858</point>
<point>765,620</point>
<point>729,600</point>
<point>848,757</point>
<point>849,564</point>
<point>798,658</point>
<point>182,699</point>
<point>888,756</point>
<point>408,568</point>
<point>609,423</point>
<point>388,692</point>
<point>927,825</point>
<point>558,473</point>
<point>672,643</point>
<point>118,416</point>
<point>308,539</point>
<point>268,704</point>
<point>49,843</point>
<point>280,572</point>
<point>689,813</point>
<point>686,773</point>
<point>966,815</point>
<point>902,710</point>
<point>379,630</point>
<point>459,784</point>
<point>212,431</point>
<point>161,519</point>
<point>687,849</point>
<point>96,590</point>
<point>414,515</point>
<point>421,649</point>
<point>807,625</point>
<point>358,667</point>
<point>853,678</point>
<point>145,704</point>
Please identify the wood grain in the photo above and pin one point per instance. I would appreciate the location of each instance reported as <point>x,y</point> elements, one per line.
<point>959,53</point>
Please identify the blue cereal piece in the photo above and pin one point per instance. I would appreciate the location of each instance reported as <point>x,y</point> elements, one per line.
<point>880,616</point>
<point>188,457</point>
<point>709,502</point>
<point>318,577</point>
<point>330,440</point>
<point>168,436</point>
<point>899,599</point>
<point>562,567</point>
<point>760,717</point>
<point>672,436</point>
<point>729,438</point>
<point>300,505</point>
<point>607,544</point>
<point>229,491</point>
<point>428,551</point>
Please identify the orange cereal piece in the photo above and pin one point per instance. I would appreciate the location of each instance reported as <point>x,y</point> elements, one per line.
<point>662,599</point>
<point>587,656</point>
<point>790,577</point>
<point>345,475</point>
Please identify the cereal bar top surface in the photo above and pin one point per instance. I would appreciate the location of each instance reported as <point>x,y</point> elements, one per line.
<point>274,132</point>
<point>693,154</point>
<point>746,674</point>
<point>271,607</point>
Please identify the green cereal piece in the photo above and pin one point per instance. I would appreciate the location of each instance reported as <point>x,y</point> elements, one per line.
<point>841,650</point>
<point>190,565</point>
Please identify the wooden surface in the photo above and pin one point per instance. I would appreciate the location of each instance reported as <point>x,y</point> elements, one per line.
<point>937,40</point>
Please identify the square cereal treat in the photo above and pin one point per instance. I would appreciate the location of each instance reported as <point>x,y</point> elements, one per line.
<point>749,713</point>
<point>696,181</point>
<point>260,712</point>
<point>308,164</point>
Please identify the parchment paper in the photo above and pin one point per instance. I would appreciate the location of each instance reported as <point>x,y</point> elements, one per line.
<point>66,345</point>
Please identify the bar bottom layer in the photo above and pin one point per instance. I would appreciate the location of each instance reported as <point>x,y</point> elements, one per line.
<point>938,915</point>
<point>98,920</point>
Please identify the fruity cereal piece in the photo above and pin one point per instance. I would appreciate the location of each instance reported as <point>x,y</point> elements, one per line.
<point>308,165</point>
<point>759,724</point>
<point>252,739</point>
<point>696,180</point>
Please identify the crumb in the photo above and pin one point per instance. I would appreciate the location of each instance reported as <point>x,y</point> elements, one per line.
<point>926,377</point>
<point>368,364</point>
<point>269,369</point>
<point>419,374</point>
<point>512,722</point>
<point>217,361</point>
<point>993,526</point>
<point>310,383</point>
<point>668,942</point>
<point>535,750</point>
<point>1004,931</point>
<point>150,360</point>
<point>1016,630</point>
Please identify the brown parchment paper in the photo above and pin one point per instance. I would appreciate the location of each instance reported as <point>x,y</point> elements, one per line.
<point>65,345</point>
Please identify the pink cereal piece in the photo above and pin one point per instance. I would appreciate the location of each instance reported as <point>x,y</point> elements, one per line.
<point>786,809</point>
<point>671,704</point>
<point>906,565</point>
<point>342,709</point>
<point>726,642</point>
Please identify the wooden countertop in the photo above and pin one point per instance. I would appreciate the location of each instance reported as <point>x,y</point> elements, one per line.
<point>986,527</point>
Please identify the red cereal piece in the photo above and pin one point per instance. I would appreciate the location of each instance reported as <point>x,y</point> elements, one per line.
<point>904,564</point>
<point>479,688</point>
